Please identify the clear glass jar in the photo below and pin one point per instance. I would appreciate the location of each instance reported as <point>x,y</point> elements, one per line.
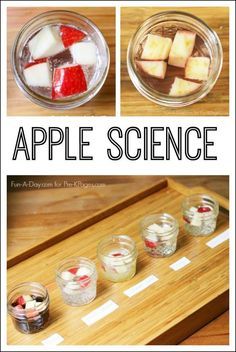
<point>65,18</point>
<point>200,213</point>
<point>28,305</point>
<point>77,279</point>
<point>168,23</point>
<point>117,255</point>
<point>159,233</point>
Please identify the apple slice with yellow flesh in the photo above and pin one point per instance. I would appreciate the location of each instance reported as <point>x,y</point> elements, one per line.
<point>153,68</point>
<point>181,48</point>
<point>197,68</point>
<point>181,87</point>
<point>156,47</point>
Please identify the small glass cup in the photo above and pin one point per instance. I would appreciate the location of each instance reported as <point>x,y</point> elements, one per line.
<point>54,18</point>
<point>167,23</point>
<point>77,279</point>
<point>159,233</point>
<point>200,213</point>
<point>33,318</point>
<point>118,256</point>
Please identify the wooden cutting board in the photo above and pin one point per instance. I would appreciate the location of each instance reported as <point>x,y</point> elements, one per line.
<point>165,313</point>
<point>103,104</point>
<point>216,103</point>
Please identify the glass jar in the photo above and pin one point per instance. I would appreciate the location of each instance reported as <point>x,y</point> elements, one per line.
<point>118,256</point>
<point>28,305</point>
<point>77,279</point>
<point>200,213</point>
<point>167,23</point>
<point>65,18</point>
<point>159,233</point>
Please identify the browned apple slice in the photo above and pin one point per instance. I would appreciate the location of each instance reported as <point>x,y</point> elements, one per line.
<point>153,68</point>
<point>156,47</point>
<point>181,87</point>
<point>197,68</point>
<point>181,48</point>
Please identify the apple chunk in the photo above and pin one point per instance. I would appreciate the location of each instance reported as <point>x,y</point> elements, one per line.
<point>181,87</point>
<point>153,68</point>
<point>156,48</point>
<point>38,75</point>
<point>181,48</point>
<point>197,68</point>
<point>84,53</point>
<point>45,43</point>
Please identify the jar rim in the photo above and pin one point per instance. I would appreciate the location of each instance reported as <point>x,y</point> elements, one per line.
<point>187,201</point>
<point>164,99</point>
<point>78,259</point>
<point>113,239</point>
<point>71,101</point>
<point>35,284</point>
<point>159,216</point>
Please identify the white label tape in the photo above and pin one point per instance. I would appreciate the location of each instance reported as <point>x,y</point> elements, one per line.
<point>55,339</point>
<point>218,239</point>
<point>141,286</point>
<point>180,263</point>
<point>100,312</point>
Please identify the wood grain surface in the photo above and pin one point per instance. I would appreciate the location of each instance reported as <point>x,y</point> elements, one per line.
<point>36,215</point>
<point>152,311</point>
<point>38,218</point>
<point>101,105</point>
<point>216,103</point>
<point>214,333</point>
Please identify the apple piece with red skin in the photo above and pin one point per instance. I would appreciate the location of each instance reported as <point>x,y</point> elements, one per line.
<point>203,209</point>
<point>38,74</point>
<point>70,35</point>
<point>84,280</point>
<point>35,62</point>
<point>73,270</point>
<point>68,81</point>
<point>150,244</point>
<point>186,219</point>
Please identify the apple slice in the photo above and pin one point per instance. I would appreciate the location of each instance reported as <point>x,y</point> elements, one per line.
<point>181,87</point>
<point>45,43</point>
<point>84,53</point>
<point>153,68</point>
<point>83,272</point>
<point>181,48</point>
<point>67,275</point>
<point>197,68</point>
<point>156,47</point>
<point>68,80</point>
<point>151,240</point>
<point>38,75</point>
<point>70,35</point>
<point>203,209</point>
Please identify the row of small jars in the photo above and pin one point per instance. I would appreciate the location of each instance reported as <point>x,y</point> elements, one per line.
<point>77,277</point>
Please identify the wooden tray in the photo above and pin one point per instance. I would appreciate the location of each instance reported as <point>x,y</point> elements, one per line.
<point>40,218</point>
<point>165,313</point>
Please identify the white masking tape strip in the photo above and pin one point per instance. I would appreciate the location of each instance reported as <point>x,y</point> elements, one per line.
<point>141,286</point>
<point>55,339</point>
<point>180,263</point>
<point>100,312</point>
<point>218,239</point>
